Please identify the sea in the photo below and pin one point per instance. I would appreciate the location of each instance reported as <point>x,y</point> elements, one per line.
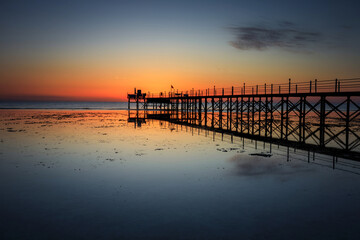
<point>68,105</point>
<point>75,105</point>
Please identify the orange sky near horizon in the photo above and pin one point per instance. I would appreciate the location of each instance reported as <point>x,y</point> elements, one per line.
<point>109,78</point>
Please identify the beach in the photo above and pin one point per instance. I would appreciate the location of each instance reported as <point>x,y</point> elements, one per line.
<point>91,174</point>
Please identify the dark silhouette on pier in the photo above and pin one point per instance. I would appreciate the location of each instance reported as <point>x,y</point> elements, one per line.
<point>321,116</point>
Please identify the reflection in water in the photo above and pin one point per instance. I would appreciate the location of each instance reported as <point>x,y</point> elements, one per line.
<point>258,166</point>
<point>330,157</point>
<point>337,137</point>
<point>92,175</point>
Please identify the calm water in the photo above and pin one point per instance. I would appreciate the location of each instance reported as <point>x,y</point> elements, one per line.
<point>105,105</point>
<point>92,175</point>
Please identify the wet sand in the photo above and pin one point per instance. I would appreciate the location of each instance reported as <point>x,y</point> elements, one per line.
<point>92,175</point>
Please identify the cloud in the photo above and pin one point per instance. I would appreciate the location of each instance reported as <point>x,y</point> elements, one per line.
<point>286,35</point>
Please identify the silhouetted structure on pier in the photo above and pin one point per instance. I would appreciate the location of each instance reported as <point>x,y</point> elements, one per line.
<point>320,114</point>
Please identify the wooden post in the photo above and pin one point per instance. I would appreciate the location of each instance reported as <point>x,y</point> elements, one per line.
<point>248,114</point>
<point>288,154</point>
<point>187,108</point>
<point>228,107</point>
<point>271,114</point>
<point>266,114</point>
<point>347,126</point>
<point>237,113</point>
<point>259,108</point>
<point>322,121</point>
<point>213,111</point>
<point>193,108</point>
<point>137,103</point>
<point>253,114</point>
<point>303,123</point>
<point>200,103</point>
<point>300,119</point>
<point>205,111</point>
<point>241,114</point>
<point>287,117</point>
<point>228,116</point>
<point>220,111</point>
<point>289,85</point>
<point>282,119</point>
<point>336,82</point>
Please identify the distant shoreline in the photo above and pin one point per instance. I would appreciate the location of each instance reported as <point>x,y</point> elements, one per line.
<point>62,108</point>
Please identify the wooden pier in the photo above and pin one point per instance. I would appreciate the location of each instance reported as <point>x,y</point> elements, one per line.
<point>323,114</point>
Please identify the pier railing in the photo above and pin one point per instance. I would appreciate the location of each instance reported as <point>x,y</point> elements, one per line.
<point>313,86</point>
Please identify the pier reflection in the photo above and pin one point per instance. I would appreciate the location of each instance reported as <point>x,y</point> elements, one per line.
<point>332,157</point>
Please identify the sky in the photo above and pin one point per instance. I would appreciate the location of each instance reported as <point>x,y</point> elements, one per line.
<point>100,50</point>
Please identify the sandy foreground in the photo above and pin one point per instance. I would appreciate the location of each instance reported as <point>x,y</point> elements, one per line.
<point>92,175</point>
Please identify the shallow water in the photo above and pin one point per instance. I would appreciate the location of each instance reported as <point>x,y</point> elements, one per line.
<point>93,175</point>
<point>64,105</point>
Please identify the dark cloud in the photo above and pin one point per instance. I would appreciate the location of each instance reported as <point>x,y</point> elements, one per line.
<point>346,27</point>
<point>286,35</point>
